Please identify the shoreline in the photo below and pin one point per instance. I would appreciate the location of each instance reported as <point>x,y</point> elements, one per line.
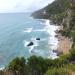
<point>64,43</point>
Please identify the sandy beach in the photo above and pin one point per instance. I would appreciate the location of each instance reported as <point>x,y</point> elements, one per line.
<point>64,44</point>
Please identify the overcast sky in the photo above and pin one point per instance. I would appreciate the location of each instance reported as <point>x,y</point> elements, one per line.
<point>22,5</point>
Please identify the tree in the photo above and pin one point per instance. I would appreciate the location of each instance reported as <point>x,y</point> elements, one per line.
<point>17,65</point>
<point>58,71</point>
<point>37,65</point>
<point>72,54</point>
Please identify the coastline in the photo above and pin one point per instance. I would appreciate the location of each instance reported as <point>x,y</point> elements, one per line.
<point>64,44</point>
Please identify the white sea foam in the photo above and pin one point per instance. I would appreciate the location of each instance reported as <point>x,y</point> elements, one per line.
<point>28,30</point>
<point>31,49</point>
<point>47,27</point>
<point>35,51</point>
<point>43,39</point>
<point>35,41</point>
<point>26,43</point>
<point>50,29</point>
<point>52,55</point>
<point>39,30</point>
<point>35,45</point>
<point>42,23</point>
<point>47,22</point>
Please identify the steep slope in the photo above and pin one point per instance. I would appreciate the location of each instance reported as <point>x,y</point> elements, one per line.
<point>58,6</point>
<point>61,12</point>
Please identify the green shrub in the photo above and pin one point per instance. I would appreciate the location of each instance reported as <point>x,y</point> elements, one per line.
<point>57,71</point>
<point>17,65</point>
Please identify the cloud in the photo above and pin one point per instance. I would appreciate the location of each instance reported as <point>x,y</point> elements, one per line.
<point>38,4</point>
<point>22,5</point>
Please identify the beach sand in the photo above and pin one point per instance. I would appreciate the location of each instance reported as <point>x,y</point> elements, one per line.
<point>64,44</point>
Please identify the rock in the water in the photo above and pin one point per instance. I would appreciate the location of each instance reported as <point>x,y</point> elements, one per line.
<point>30,44</point>
<point>56,35</point>
<point>37,38</point>
<point>55,51</point>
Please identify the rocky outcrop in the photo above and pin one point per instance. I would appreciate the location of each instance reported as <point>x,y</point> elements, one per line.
<point>30,44</point>
<point>37,38</point>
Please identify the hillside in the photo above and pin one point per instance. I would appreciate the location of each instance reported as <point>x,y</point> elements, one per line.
<point>57,7</point>
<point>61,12</point>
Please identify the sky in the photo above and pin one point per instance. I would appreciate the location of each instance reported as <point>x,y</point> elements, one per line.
<point>22,5</point>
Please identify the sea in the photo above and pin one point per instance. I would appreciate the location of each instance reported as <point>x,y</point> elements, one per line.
<point>17,30</point>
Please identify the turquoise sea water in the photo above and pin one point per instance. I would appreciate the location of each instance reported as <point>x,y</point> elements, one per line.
<point>18,29</point>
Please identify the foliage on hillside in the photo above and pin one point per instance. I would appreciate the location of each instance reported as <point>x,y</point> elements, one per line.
<point>57,7</point>
<point>34,65</point>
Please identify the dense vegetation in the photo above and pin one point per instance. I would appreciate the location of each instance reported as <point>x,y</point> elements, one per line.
<point>65,65</point>
<point>57,7</point>
<point>34,65</point>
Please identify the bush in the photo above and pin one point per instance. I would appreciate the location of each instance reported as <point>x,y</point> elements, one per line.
<point>17,65</point>
<point>37,65</point>
<point>72,54</point>
<point>57,71</point>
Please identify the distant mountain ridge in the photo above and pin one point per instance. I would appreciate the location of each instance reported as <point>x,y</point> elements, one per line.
<point>58,6</point>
